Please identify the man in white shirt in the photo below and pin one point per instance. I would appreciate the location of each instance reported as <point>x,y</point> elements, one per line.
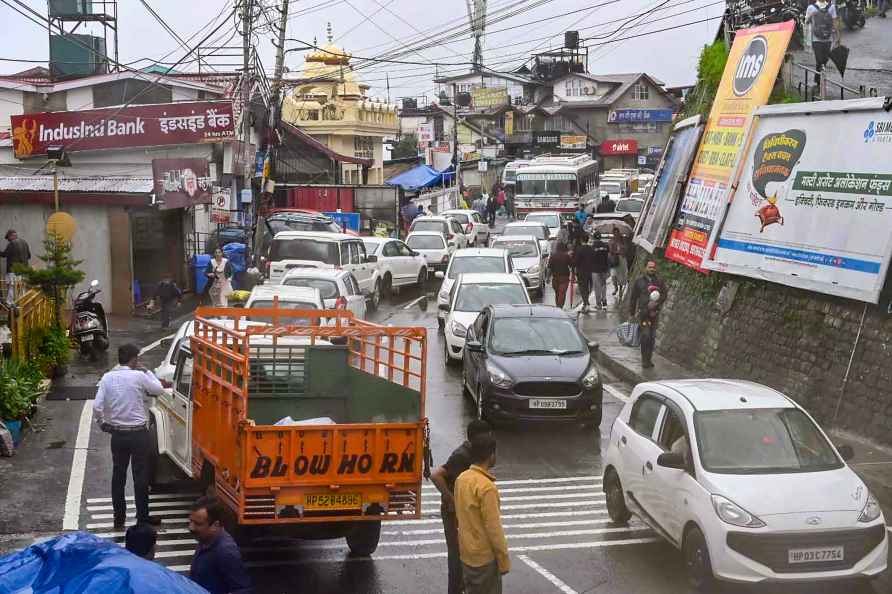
<point>120,411</point>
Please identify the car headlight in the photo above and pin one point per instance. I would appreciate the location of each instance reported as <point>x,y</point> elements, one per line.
<point>533,269</point>
<point>499,378</point>
<point>458,330</point>
<point>871,509</point>
<point>731,513</point>
<point>591,378</point>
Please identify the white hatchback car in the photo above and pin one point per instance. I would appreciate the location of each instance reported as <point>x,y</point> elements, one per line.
<point>450,228</point>
<point>472,222</point>
<point>549,218</point>
<point>267,296</point>
<point>744,482</point>
<point>399,265</point>
<point>469,260</point>
<point>433,246</point>
<point>470,294</point>
<point>338,288</point>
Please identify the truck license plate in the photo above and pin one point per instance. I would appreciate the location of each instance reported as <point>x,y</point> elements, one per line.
<point>547,403</point>
<point>816,555</point>
<point>333,501</point>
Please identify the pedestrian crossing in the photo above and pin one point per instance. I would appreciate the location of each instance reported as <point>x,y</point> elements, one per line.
<point>560,513</point>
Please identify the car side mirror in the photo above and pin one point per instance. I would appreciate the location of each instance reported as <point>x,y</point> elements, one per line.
<point>846,452</point>
<point>444,307</point>
<point>593,346</point>
<point>439,274</point>
<point>474,346</point>
<point>671,460</point>
<point>371,259</point>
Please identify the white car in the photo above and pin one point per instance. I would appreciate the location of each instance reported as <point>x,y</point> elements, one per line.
<point>449,227</point>
<point>549,218</point>
<point>527,259</point>
<point>433,246</point>
<point>744,482</point>
<point>268,296</point>
<point>338,288</point>
<point>472,223</point>
<point>469,260</point>
<point>538,230</point>
<point>470,294</point>
<point>398,264</point>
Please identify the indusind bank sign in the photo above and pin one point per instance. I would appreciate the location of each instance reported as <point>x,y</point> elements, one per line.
<point>122,127</point>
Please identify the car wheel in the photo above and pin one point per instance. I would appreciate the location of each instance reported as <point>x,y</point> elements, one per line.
<point>450,362</point>
<point>422,277</point>
<point>696,558</point>
<point>616,500</point>
<point>375,301</point>
<point>388,285</point>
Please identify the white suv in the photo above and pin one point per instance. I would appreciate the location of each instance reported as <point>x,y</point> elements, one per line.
<point>744,482</point>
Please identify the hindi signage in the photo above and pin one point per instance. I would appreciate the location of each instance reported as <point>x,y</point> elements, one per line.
<point>574,141</point>
<point>122,127</point>
<point>181,183</point>
<point>813,206</point>
<point>483,97</point>
<point>425,132</point>
<point>749,76</point>
<point>639,116</point>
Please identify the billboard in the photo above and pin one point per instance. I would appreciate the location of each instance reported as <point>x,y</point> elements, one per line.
<point>813,206</point>
<point>425,132</point>
<point>619,146</point>
<point>575,141</point>
<point>483,97</point>
<point>639,116</point>
<point>660,206</point>
<point>122,127</point>
<point>181,183</point>
<point>753,64</point>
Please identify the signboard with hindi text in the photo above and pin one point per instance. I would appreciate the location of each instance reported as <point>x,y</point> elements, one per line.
<point>813,205</point>
<point>753,64</point>
<point>122,127</point>
<point>181,183</point>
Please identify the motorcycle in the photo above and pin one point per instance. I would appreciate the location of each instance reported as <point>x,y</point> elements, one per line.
<point>851,12</point>
<point>89,326</point>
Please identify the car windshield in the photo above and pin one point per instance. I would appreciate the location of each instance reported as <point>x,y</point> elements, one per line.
<point>762,441</point>
<point>284,223</point>
<point>328,288</point>
<point>268,303</point>
<point>460,217</point>
<point>517,249</point>
<point>534,230</point>
<point>550,220</point>
<point>305,249</point>
<point>425,242</point>
<point>477,296</point>
<point>629,205</point>
<point>438,226</point>
<point>532,336</point>
<point>476,264</point>
<point>509,175</point>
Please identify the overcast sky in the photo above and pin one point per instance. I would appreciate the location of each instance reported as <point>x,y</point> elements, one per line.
<point>371,28</point>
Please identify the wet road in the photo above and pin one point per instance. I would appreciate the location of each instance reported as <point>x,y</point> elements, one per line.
<point>558,530</point>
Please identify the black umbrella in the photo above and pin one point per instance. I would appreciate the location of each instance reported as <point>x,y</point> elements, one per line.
<point>839,56</point>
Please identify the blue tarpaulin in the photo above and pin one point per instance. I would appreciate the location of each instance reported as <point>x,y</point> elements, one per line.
<point>422,176</point>
<point>80,563</point>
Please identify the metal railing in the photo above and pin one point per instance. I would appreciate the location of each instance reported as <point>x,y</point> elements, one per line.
<point>827,88</point>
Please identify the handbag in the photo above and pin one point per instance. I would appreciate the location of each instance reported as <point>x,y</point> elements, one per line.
<point>629,334</point>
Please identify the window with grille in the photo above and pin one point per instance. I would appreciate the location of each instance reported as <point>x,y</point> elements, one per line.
<point>363,147</point>
<point>641,92</point>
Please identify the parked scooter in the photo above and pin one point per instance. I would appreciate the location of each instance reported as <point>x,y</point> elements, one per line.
<point>89,326</point>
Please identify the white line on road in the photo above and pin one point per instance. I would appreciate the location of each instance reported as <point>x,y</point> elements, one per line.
<point>167,522</point>
<point>437,520</point>
<point>130,514</point>
<point>182,504</point>
<point>413,302</point>
<point>185,496</point>
<point>78,469</point>
<point>161,534</point>
<point>558,583</point>
<point>152,345</point>
<point>615,393</point>
<point>593,484</point>
<point>509,527</point>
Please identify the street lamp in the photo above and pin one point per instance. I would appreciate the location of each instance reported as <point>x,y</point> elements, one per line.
<point>57,158</point>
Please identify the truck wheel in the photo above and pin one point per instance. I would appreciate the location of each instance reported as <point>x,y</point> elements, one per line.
<point>363,539</point>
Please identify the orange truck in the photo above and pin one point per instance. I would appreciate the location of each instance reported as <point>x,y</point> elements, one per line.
<point>310,430</point>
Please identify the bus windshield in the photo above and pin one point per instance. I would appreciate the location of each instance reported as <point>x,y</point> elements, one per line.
<point>547,184</point>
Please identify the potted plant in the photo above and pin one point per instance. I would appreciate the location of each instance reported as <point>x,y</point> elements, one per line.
<point>52,348</point>
<point>19,390</point>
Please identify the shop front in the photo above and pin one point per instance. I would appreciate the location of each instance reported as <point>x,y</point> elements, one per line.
<point>618,153</point>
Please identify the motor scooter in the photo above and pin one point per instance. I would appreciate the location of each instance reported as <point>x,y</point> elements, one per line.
<point>851,12</point>
<point>89,326</point>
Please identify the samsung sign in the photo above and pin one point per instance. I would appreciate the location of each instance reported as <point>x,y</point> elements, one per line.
<point>639,116</point>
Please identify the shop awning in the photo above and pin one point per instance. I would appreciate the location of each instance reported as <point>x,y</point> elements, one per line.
<point>422,176</point>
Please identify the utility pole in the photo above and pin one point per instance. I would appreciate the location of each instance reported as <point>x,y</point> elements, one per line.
<point>456,155</point>
<point>275,111</point>
<point>245,132</point>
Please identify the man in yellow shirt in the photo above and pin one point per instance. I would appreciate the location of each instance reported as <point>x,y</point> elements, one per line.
<point>481,540</point>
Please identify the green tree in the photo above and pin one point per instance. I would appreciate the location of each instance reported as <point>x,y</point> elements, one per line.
<point>58,275</point>
<point>710,68</point>
<point>406,147</point>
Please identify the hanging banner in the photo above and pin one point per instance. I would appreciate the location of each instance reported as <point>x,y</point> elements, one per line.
<point>813,207</point>
<point>181,183</point>
<point>753,64</point>
<point>659,208</point>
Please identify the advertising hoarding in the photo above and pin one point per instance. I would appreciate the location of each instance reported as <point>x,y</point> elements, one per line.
<point>122,127</point>
<point>574,142</point>
<point>425,132</point>
<point>482,97</point>
<point>753,64</point>
<point>813,206</point>
<point>181,183</point>
<point>660,206</point>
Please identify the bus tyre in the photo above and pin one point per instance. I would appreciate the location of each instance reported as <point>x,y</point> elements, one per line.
<point>363,539</point>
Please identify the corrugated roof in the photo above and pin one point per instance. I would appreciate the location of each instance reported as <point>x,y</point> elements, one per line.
<point>105,184</point>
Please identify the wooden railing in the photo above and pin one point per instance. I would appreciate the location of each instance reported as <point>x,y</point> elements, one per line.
<point>32,309</point>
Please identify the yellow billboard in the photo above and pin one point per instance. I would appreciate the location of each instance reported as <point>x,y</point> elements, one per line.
<point>483,97</point>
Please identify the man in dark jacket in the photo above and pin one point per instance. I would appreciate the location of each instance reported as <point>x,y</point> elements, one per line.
<point>217,565</point>
<point>16,253</point>
<point>646,309</point>
<point>606,205</point>
<point>560,263</point>
<point>600,270</point>
<point>584,261</point>
<point>168,295</point>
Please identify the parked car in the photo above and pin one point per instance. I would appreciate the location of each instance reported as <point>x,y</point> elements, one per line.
<point>470,294</point>
<point>338,288</point>
<point>398,264</point>
<point>307,249</point>
<point>288,219</point>
<point>433,246</point>
<point>224,236</point>
<point>539,230</point>
<point>742,480</point>
<point>631,206</point>
<point>472,223</point>
<point>449,227</point>
<point>267,296</point>
<point>527,259</point>
<point>531,363</point>
<point>549,218</point>
<point>469,260</point>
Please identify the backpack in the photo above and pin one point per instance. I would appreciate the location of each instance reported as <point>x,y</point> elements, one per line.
<point>822,24</point>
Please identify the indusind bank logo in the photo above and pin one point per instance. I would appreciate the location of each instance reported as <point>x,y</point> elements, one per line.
<point>96,129</point>
<point>878,131</point>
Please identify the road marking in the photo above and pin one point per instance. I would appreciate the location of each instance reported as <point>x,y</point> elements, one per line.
<point>870,463</point>
<point>508,526</point>
<point>433,490</point>
<point>438,520</point>
<point>615,393</point>
<point>161,533</point>
<point>152,345</point>
<point>152,505</point>
<point>558,583</point>
<point>414,302</point>
<point>184,496</point>
<point>167,522</point>
<point>130,514</point>
<point>71,519</point>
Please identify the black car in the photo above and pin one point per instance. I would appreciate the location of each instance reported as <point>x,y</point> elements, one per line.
<point>531,363</point>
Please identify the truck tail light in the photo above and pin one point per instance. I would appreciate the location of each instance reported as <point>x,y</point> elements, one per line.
<point>452,236</point>
<point>341,302</point>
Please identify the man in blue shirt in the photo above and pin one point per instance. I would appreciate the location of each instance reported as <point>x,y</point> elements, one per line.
<point>217,565</point>
<point>581,215</point>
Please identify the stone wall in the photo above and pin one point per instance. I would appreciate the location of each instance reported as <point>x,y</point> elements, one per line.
<point>798,342</point>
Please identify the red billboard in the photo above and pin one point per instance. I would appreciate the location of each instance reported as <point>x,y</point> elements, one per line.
<point>122,127</point>
<point>620,146</point>
<point>182,182</point>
